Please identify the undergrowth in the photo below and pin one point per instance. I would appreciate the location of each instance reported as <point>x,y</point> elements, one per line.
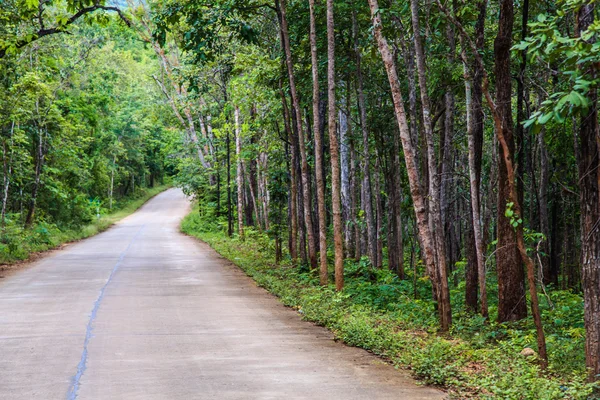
<point>18,243</point>
<point>396,320</point>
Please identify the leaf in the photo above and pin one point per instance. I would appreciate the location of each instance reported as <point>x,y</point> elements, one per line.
<point>545,118</point>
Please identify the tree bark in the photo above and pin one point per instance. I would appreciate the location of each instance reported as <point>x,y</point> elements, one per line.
<point>589,185</point>
<point>475,128</point>
<point>334,153</point>
<point>293,242</point>
<point>304,163</point>
<point>423,228</point>
<point>512,304</point>
<point>367,204</point>
<point>240,174</point>
<point>39,164</point>
<point>323,273</point>
<point>435,217</point>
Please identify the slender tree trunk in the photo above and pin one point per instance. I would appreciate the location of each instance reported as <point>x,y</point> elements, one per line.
<point>240,174</point>
<point>293,186</point>
<point>334,153</point>
<point>367,204</point>
<point>519,128</point>
<point>471,271</point>
<point>229,205</point>
<point>475,128</point>
<point>423,228</point>
<point>435,217</point>
<point>323,273</point>
<point>7,173</point>
<point>301,146</point>
<point>549,275</point>
<point>39,164</point>
<point>447,207</point>
<point>345,174</point>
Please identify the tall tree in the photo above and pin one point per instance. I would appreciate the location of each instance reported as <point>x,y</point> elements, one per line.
<point>425,235</point>
<point>318,149</point>
<point>335,152</point>
<point>511,290</point>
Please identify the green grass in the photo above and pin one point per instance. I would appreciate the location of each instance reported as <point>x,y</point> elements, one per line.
<point>378,312</point>
<point>18,244</point>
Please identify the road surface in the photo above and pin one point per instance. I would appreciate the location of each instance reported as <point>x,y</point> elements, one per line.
<point>144,312</point>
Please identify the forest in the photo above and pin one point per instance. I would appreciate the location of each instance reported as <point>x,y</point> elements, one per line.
<point>420,176</point>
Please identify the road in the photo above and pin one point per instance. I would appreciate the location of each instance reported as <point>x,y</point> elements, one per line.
<point>144,312</point>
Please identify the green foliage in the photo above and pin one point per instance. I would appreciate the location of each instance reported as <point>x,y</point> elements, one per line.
<point>377,312</point>
<point>18,243</point>
<point>575,56</point>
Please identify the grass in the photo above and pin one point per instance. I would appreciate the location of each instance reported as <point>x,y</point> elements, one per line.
<point>378,312</point>
<point>18,244</point>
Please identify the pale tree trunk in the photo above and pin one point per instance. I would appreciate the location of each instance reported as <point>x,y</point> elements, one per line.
<point>345,172</point>
<point>264,187</point>
<point>475,146</point>
<point>39,164</point>
<point>423,228</point>
<point>435,217</point>
<point>474,179</point>
<point>7,172</point>
<point>240,174</point>
<point>323,274</point>
<point>447,161</point>
<point>367,204</point>
<point>293,239</point>
<point>548,274</point>
<point>304,163</point>
<point>379,208</point>
<point>335,153</point>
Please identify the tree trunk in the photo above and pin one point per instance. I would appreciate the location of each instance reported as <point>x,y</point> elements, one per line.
<point>39,164</point>
<point>435,217</point>
<point>549,275</point>
<point>475,128</point>
<point>304,163</point>
<point>293,242</point>
<point>345,174</point>
<point>334,153</point>
<point>240,174</point>
<point>323,273</point>
<point>367,204</point>
<point>409,154</point>
<point>589,185</point>
<point>512,304</point>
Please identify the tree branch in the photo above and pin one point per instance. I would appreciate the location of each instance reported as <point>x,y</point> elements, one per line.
<point>62,29</point>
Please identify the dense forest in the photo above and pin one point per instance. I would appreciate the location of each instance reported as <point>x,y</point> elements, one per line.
<point>445,153</point>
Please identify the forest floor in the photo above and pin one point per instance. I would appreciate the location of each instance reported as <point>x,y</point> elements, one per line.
<point>144,312</point>
<point>20,246</point>
<point>393,318</point>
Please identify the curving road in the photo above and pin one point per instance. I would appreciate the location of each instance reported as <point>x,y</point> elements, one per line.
<point>144,312</point>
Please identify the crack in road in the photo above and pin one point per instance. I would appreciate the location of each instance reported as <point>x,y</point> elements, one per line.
<point>72,393</point>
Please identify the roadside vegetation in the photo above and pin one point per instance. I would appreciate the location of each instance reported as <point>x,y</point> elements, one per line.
<point>452,143</point>
<point>396,319</point>
<point>18,243</point>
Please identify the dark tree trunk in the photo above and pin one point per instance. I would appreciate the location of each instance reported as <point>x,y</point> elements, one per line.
<point>589,185</point>
<point>512,305</point>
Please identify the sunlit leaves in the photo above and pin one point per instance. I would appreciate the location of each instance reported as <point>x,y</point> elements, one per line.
<point>574,57</point>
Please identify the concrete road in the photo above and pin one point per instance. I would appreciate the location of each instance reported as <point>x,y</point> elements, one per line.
<point>144,312</point>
